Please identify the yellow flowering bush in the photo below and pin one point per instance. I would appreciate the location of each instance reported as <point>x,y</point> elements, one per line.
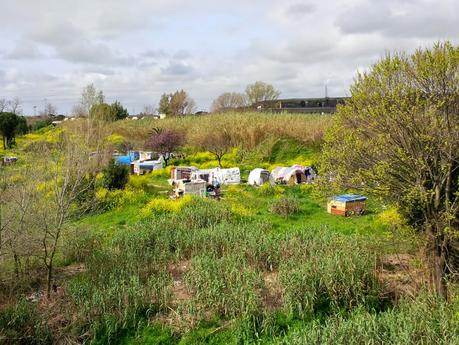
<point>240,210</point>
<point>390,218</point>
<point>118,197</point>
<point>163,206</point>
<point>115,139</point>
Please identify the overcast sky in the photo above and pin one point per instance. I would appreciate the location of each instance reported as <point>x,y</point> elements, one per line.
<point>138,49</point>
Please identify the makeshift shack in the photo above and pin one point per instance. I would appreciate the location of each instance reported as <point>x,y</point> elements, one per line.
<point>181,173</point>
<point>347,205</point>
<point>187,187</point>
<point>127,159</point>
<point>141,167</point>
<point>259,176</point>
<point>289,175</point>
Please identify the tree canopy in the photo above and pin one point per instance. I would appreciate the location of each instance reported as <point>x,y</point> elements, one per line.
<point>177,103</point>
<point>106,112</point>
<point>90,97</point>
<point>229,100</point>
<point>260,91</point>
<point>8,128</point>
<point>218,142</point>
<point>398,136</point>
<point>165,142</point>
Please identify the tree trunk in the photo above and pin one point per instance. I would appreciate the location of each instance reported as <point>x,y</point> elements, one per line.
<point>49,280</point>
<point>17,265</point>
<point>219,161</point>
<point>438,261</point>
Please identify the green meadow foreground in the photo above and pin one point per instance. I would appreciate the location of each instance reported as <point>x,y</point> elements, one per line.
<point>265,265</point>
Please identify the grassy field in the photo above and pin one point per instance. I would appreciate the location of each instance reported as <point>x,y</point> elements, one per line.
<point>263,265</point>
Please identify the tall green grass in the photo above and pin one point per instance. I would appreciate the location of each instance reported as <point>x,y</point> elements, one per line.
<point>22,324</point>
<point>425,320</point>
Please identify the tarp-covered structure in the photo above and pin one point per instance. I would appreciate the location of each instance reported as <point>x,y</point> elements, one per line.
<point>259,176</point>
<point>218,176</point>
<point>347,205</point>
<point>295,174</point>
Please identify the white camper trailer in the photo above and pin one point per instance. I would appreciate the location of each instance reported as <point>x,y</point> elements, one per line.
<point>218,176</point>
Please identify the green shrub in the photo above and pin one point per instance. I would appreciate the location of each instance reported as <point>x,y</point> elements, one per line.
<point>116,176</point>
<point>202,213</point>
<point>286,206</point>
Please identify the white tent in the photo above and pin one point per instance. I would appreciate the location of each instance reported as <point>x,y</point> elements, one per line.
<point>289,175</point>
<point>259,176</point>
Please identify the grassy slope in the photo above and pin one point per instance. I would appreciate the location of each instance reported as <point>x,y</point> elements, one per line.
<point>262,150</point>
<point>252,201</point>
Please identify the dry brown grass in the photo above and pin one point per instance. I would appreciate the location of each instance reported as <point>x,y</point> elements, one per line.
<point>247,129</point>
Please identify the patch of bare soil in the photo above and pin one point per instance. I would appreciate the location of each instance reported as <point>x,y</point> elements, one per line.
<point>69,271</point>
<point>402,275</point>
<point>179,290</point>
<point>272,291</point>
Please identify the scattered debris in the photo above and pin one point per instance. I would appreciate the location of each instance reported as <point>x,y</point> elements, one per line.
<point>9,160</point>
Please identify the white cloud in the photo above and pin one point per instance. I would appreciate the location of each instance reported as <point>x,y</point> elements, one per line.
<point>135,52</point>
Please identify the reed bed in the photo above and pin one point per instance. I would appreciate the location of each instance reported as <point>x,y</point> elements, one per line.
<point>247,130</point>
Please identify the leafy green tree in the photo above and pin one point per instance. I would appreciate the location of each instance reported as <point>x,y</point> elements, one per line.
<point>101,112</point>
<point>260,91</point>
<point>107,112</point>
<point>398,136</point>
<point>22,127</point>
<point>118,112</point>
<point>164,104</point>
<point>8,128</point>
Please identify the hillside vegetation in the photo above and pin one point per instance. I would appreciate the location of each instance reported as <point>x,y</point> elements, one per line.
<point>265,265</point>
